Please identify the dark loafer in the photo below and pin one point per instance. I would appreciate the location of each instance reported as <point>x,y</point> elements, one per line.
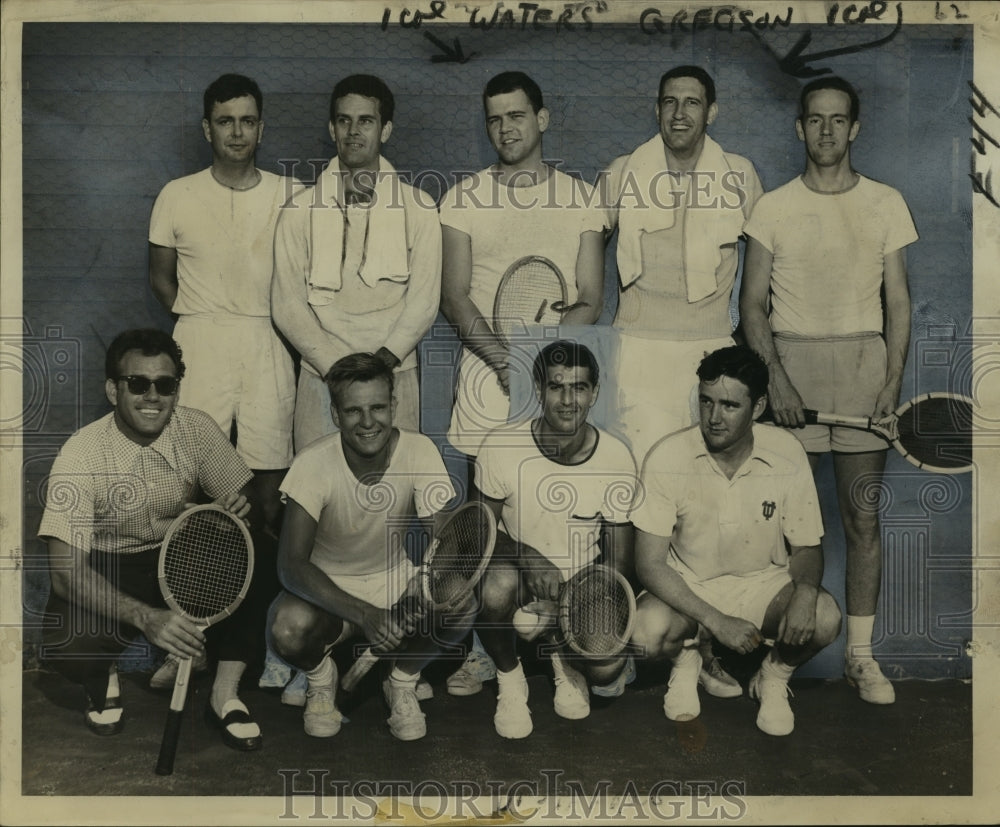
<point>234,716</point>
<point>92,717</point>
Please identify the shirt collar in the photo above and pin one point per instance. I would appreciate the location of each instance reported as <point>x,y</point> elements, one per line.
<point>165,444</point>
<point>759,453</point>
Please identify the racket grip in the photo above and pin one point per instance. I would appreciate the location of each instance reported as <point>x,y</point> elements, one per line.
<point>362,666</point>
<point>168,746</point>
<point>816,418</point>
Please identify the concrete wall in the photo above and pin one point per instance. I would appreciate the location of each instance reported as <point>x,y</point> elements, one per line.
<point>111,112</point>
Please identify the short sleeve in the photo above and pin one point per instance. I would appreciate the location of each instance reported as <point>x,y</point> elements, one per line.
<point>161,223</point>
<point>802,520</point>
<point>490,477</point>
<point>221,471</point>
<point>432,488</point>
<point>455,210</point>
<point>760,225</point>
<point>69,501</point>
<point>305,483</point>
<point>619,493</point>
<point>655,505</point>
<point>901,230</point>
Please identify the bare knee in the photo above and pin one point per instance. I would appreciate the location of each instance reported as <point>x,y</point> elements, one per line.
<point>294,628</point>
<point>498,598</point>
<point>659,630</point>
<point>828,620</point>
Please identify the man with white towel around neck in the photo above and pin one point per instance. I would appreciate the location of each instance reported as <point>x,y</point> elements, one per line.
<point>679,202</point>
<point>357,262</point>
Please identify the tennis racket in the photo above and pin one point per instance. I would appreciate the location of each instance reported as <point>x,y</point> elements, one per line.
<point>206,563</point>
<point>532,291</point>
<point>933,431</point>
<point>595,613</point>
<point>452,567</point>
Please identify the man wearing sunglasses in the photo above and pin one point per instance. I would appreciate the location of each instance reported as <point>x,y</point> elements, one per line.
<point>114,489</point>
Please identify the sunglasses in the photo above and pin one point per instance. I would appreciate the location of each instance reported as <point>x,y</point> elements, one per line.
<point>139,385</point>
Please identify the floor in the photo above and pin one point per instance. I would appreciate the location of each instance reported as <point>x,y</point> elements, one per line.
<point>841,746</point>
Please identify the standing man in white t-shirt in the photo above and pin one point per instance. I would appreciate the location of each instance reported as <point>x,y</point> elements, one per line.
<point>516,207</point>
<point>822,251</point>
<point>210,260</point>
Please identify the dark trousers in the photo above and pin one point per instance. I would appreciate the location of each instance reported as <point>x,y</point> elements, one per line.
<point>82,645</point>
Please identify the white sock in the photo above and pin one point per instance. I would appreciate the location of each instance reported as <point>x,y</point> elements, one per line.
<point>859,636</point>
<point>402,679</point>
<point>322,675</point>
<point>516,674</point>
<point>777,667</point>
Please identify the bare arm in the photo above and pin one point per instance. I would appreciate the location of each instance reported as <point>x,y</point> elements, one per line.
<point>618,545</point>
<point>163,274</point>
<point>897,330</point>
<point>786,404</point>
<point>304,579</point>
<point>589,279</point>
<point>656,575</point>
<point>76,582</point>
<point>457,307</point>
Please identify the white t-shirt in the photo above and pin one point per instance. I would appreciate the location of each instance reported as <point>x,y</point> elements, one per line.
<point>224,240</point>
<point>360,527</point>
<point>556,509</point>
<point>507,223</point>
<point>829,252</point>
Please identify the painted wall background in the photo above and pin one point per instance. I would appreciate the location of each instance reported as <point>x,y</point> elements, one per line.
<point>111,112</point>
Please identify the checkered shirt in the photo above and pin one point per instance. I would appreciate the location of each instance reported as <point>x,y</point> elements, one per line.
<point>108,493</point>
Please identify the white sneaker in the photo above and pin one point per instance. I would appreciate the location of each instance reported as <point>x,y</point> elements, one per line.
<point>775,715</point>
<point>717,681</point>
<point>512,718</point>
<point>572,697</point>
<point>406,721</point>
<point>424,691</point>
<point>321,718</point>
<point>468,678</point>
<point>681,701</point>
<point>872,685</point>
<point>294,693</point>
<point>616,688</point>
<point>166,675</point>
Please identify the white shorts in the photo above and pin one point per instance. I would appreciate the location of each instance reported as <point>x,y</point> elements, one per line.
<point>239,369</point>
<point>381,588</point>
<point>480,404</point>
<point>743,595</point>
<point>655,382</point>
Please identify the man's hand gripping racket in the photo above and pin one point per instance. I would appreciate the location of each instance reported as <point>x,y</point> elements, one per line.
<point>204,572</point>
<point>452,567</point>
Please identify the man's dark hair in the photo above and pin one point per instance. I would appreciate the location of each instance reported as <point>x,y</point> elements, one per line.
<point>368,86</point>
<point>565,354</point>
<point>831,82</point>
<point>736,362</point>
<point>696,72</point>
<point>357,367</point>
<point>150,341</point>
<point>227,87</point>
<point>507,82</point>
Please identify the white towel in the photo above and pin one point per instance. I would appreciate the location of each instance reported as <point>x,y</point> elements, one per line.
<point>386,254</point>
<point>715,221</point>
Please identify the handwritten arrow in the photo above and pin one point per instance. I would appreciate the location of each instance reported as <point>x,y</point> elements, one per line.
<point>796,64</point>
<point>451,54</point>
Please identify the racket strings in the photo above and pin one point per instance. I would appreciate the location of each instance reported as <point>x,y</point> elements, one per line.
<point>598,613</point>
<point>938,430</point>
<point>526,297</point>
<point>457,560</point>
<point>206,564</point>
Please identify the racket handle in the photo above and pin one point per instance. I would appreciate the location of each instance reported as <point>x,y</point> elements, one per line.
<point>362,666</point>
<point>817,418</point>
<point>172,728</point>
